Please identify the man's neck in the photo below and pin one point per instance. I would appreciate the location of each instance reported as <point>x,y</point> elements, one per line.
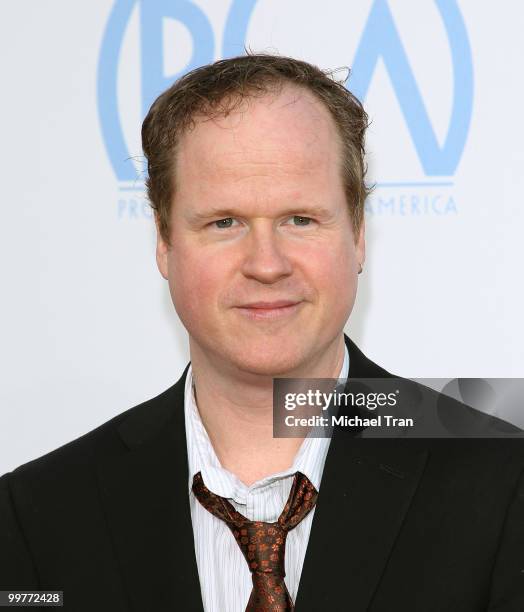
<point>236,409</point>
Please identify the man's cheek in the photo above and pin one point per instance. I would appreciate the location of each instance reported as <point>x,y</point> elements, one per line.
<point>202,285</point>
<point>333,266</point>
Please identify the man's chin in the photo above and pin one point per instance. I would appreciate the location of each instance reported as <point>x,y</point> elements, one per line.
<point>279,355</point>
<point>280,361</point>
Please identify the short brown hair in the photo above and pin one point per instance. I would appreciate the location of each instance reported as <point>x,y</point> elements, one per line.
<point>216,89</point>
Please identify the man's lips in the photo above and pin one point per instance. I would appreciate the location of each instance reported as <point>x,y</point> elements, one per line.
<point>269,310</point>
<point>270,305</point>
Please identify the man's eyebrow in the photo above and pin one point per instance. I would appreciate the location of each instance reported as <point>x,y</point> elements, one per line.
<point>212,213</point>
<point>224,213</point>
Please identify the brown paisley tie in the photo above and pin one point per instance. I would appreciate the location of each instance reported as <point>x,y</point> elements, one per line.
<point>263,544</point>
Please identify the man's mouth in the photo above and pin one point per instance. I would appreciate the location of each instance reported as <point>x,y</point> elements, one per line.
<point>269,310</point>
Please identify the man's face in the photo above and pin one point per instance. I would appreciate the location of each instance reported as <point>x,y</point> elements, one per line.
<point>263,264</point>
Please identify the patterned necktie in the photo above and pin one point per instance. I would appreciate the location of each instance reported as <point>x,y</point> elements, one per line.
<point>263,544</point>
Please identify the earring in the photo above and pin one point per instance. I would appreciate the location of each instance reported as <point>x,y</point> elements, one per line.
<point>360,268</point>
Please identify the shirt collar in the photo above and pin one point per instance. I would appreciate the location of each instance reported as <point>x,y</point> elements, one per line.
<point>309,460</point>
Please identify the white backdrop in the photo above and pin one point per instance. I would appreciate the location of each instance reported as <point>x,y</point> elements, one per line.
<point>87,326</point>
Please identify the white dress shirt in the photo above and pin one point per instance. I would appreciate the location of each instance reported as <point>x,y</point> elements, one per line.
<point>225,579</point>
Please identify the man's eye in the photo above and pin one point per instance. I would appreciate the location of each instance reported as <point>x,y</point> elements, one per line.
<point>301,221</point>
<point>224,223</point>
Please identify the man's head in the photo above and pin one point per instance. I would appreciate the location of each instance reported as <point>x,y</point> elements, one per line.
<point>256,175</point>
<point>216,89</point>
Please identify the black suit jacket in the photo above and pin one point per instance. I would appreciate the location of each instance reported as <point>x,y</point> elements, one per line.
<point>417,525</point>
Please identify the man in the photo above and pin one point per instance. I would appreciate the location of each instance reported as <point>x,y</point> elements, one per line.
<point>188,502</point>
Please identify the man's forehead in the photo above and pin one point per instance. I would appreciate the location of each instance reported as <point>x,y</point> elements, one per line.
<point>288,129</point>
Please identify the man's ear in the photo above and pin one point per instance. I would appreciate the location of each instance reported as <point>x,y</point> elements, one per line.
<point>161,251</point>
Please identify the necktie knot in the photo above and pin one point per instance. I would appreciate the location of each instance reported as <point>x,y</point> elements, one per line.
<point>263,544</point>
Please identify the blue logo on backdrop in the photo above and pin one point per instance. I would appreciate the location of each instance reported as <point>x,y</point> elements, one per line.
<point>380,40</point>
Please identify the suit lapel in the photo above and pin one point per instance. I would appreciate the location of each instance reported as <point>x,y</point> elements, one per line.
<point>366,490</point>
<point>367,487</point>
<point>145,495</point>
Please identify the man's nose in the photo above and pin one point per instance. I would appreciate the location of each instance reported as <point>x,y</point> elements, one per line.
<point>265,258</point>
